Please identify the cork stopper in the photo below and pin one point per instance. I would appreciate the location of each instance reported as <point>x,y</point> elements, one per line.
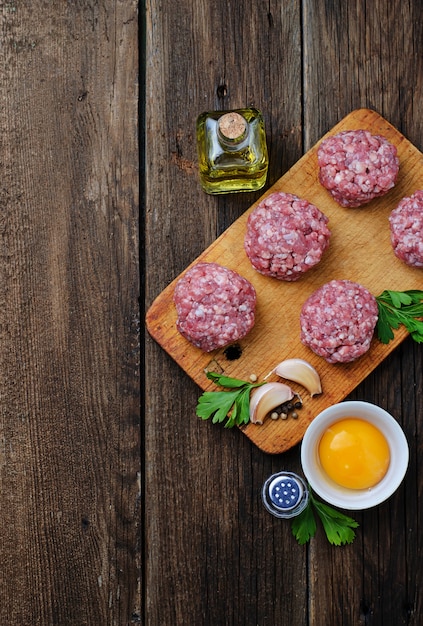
<point>232,126</point>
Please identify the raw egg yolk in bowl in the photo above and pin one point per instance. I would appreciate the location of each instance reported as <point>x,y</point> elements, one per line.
<point>354,453</point>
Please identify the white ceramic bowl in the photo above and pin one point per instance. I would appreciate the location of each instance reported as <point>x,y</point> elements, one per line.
<point>343,497</point>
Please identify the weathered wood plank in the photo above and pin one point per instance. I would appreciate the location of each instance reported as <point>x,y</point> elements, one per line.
<point>362,55</point>
<point>213,554</point>
<point>69,325</point>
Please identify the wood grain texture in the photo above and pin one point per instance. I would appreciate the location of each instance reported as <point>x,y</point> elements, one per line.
<point>205,481</point>
<point>360,250</point>
<point>69,321</point>
<point>213,555</point>
<point>348,54</point>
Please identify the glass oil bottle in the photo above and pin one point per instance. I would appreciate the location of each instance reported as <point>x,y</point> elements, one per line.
<point>232,151</point>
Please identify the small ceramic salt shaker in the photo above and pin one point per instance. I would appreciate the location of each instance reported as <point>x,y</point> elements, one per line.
<point>285,495</point>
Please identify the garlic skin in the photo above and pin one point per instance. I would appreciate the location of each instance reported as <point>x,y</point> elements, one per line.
<point>266,398</point>
<point>301,372</point>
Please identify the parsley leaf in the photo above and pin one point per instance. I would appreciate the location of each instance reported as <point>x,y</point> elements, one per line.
<point>226,381</point>
<point>233,404</point>
<point>304,525</point>
<point>337,526</point>
<point>216,404</point>
<point>400,307</point>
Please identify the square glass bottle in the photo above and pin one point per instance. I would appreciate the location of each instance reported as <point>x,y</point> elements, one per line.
<point>232,150</point>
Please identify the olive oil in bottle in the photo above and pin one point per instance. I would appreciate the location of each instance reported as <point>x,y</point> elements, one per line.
<point>232,151</point>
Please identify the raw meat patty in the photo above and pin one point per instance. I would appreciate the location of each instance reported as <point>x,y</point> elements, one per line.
<point>356,166</point>
<point>215,306</point>
<point>338,321</point>
<point>286,236</point>
<point>406,222</point>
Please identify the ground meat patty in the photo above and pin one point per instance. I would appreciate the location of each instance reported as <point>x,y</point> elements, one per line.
<point>338,321</point>
<point>215,306</point>
<point>406,222</point>
<point>286,236</point>
<point>356,166</point>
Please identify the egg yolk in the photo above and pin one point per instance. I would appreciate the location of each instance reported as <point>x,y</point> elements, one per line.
<point>354,453</point>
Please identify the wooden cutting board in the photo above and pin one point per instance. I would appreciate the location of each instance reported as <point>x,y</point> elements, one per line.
<point>359,250</point>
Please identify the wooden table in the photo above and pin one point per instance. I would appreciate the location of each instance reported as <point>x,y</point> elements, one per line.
<point>212,554</point>
<point>69,313</point>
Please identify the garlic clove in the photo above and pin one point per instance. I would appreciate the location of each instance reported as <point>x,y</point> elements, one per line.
<point>266,398</point>
<point>301,372</point>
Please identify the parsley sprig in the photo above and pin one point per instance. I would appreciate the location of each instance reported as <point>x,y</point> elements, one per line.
<point>233,404</point>
<point>337,526</point>
<point>400,307</point>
